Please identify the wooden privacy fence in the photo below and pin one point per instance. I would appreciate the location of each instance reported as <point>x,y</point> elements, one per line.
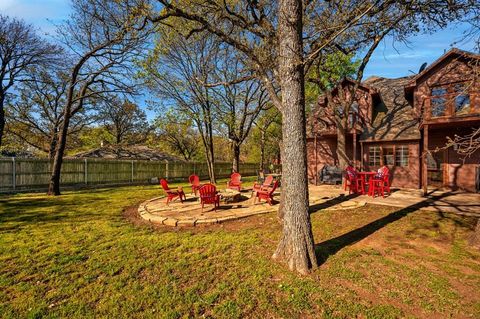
<point>26,174</point>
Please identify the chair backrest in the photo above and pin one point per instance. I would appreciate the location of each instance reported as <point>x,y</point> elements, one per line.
<point>382,172</point>
<point>207,190</point>
<point>194,180</point>
<point>268,180</point>
<point>164,184</point>
<point>275,185</point>
<point>351,172</point>
<point>386,173</point>
<point>235,178</point>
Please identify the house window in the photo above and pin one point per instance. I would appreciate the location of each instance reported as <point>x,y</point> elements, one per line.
<point>374,156</point>
<point>401,155</point>
<point>462,99</point>
<point>439,101</point>
<point>453,99</point>
<point>388,155</point>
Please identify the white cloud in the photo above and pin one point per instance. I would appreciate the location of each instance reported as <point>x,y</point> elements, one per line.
<point>40,13</point>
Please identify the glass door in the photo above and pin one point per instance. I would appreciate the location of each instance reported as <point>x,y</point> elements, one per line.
<point>435,166</point>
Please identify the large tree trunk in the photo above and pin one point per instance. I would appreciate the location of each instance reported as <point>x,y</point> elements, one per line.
<point>476,235</point>
<point>2,117</point>
<point>54,186</point>
<point>236,156</point>
<point>296,247</point>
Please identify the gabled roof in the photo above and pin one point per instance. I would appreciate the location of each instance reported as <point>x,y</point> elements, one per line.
<point>452,53</point>
<point>393,117</point>
<point>363,85</point>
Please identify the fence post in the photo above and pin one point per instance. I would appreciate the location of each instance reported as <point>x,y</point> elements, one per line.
<point>85,170</point>
<point>14,174</point>
<point>131,180</point>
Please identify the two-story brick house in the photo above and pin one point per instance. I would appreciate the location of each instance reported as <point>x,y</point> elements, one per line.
<point>393,121</point>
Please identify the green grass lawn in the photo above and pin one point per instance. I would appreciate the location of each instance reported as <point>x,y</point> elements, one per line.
<point>77,256</point>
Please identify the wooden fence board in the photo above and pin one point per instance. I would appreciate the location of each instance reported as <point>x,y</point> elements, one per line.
<point>34,174</point>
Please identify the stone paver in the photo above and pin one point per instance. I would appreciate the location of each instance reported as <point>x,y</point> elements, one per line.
<point>189,213</point>
<point>437,200</point>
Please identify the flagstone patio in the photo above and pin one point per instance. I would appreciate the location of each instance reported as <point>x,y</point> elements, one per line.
<point>445,201</point>
<point>189,213</point>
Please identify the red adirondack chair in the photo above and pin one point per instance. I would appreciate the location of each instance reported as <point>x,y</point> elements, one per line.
<point>352,181</point>
<point>172,194</point>
<point>267,194</point>
<point>380,182</point>
<point>235,181</point>
<point>208,195</point>
<point>266,183</point>
<point>194,181</point>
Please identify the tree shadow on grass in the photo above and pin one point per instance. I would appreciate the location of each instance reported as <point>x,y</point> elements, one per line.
<point>331,202</point>
<point>17,213</point>
<point>331,246</point>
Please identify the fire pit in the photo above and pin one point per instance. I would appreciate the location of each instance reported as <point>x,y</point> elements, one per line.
<point>230,196</point>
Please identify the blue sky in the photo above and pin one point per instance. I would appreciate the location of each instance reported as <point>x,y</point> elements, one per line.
<point>387,61</point>
<point>395,60</point>
<point>43,14</point>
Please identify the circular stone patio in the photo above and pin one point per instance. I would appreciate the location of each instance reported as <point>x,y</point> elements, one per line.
<point>189,213</point>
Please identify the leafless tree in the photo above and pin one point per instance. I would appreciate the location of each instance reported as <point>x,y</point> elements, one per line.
<point>36,115</point>
<point>21,49</point>
<point>105,37</point>
<point>177,75</point>
<point>240,101</point>
<point>264,123</point>
<point>125,120</point>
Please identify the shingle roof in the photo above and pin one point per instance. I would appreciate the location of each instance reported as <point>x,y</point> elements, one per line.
<point>128,153</point>
<point>393,116</point>
<point>449,54</point>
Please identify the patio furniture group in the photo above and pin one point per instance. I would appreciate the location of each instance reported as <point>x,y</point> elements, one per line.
<point>208,193</point>
<point>367,183</point>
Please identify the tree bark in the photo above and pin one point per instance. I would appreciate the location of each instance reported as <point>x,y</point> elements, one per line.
<point>54,186</point>
<point>296,247</point>
<point>2,117</point>
<point>262,150</point>
<point>118,138</point>
<point>211,167</point>
<point>236,156</point>
<point>53,144</point>
<point>211,156</point>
